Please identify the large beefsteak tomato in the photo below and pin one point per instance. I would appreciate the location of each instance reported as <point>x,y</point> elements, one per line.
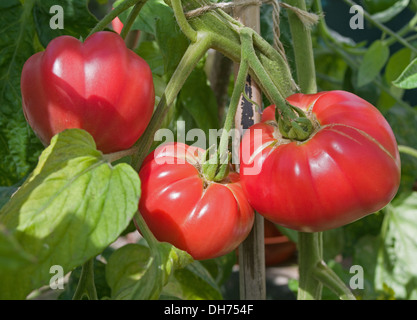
<point>348,168</point>
<point>205,218</point>
<point>99,86</point>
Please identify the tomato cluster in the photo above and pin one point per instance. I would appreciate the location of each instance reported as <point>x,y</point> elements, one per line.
<point>348,168</point>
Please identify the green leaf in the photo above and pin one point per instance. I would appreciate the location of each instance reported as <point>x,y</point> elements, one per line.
<point>373,62</point>
<point>333,241</point>
<point>397,63</point>
<point>365,255</point>
<point>353,232</point>
<point>19,147</point>
<point>403,123</point>
<point>330,69</point>
<point>374,6</point>
<point>150,14</point>
<point>192,283</point>
<point>391,12</point>
<point>197,98</point>
<point>72,206</point>
<point>220,268</point>
<point>5,194</point>
<point>12,256</point>
<point>125,267</point>
<point>102,288</point>
<point>150,52</point>
<point>172,42</point>
<point>134,272</point>
<point>397,256</point>
<point>408,78</point>
<point>77,20</point>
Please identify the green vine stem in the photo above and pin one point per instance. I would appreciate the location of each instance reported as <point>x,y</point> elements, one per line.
<point>146,232</point>
<point>191,57</point>
<point>108,18</point>
<point>182,21</point>
<point>86,287</point>
<point>214,171</point>
<point>131,19</point>
<point>309,256</point>
<point>263,76</point>
<point>226,40</point>
<point>407,150</point>
<point>114,156</point>
<point>331,280</point>
<point>303,50</point>
<point>410,26</point>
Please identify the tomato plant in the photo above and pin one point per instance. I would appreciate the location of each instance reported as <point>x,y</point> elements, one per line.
<point>104,133</point>
<point>348,168</point>
<point>93,85</point>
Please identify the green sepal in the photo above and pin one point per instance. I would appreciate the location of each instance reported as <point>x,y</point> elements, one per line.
<point>298,128</point>
<point>215,168</point>
<point>295,129</point>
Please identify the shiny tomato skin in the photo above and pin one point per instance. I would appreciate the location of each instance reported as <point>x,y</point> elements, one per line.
<point>206,221</point>
<point>99,86</point>
<point>349,168</point>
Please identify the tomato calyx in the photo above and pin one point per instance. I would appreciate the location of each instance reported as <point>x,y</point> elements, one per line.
<point>298,127</point>
<point>215,168</point>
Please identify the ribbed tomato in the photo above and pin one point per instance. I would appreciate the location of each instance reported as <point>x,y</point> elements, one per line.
<point>207,219</point>
<point>348,168</point>
<point>97,85</point>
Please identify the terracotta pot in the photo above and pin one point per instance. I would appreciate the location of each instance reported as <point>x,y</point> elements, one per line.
<point>278,248</point>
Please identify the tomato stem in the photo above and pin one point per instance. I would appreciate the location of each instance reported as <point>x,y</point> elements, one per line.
<point>146,232</point>
<point>132,17</point>
<point>234,102</point>
<point>331,280</point>
<point>215,171</point>
<point>309,255</point>
<point>291,125</point>
<point>182,20</point>
<point>86,286</point>
<point>114,156</point>
<point>108,18</point>
<point>407,150</point>
<point>303,50</point>
<point>191,57</point>
<point>226,39</point>
<point>262,74</point>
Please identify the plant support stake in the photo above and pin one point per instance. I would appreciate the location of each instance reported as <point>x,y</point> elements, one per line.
<point>252,251</point>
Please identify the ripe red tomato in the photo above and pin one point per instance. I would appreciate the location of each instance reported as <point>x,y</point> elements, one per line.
<point>347,169</point>
<point>268,114</point>
<point>207,219</point>
<point>117,25</point>
<point>99,86</point>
